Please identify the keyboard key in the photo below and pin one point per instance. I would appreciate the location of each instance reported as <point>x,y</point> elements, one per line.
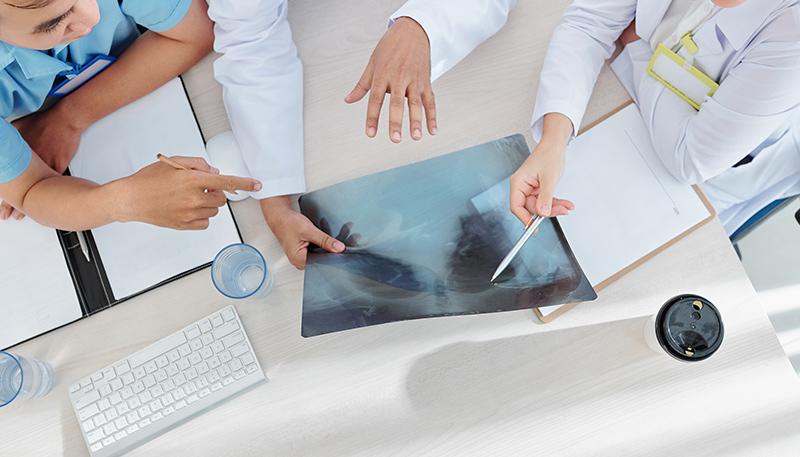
<point>120,423</point>
<point>179,380</point>
<point>178,394</point>
<point>159,347</point>
<point>172,370</point>
<point>96,447</point>
<point>137,387</point>
<point>109,429</point>
<point>74,388</point>
<point>157,391</point>
<point>149,381</point>
<point>145,396</point>
<point>122,408</point>
<point>212,377</point>
<point>207,339</point>
<point>87,399</point>
<point>119,435</point>
<point>217,347</point>
<point>195,358</point>
<point>87,389</point>
<point>233,338</point>
<point>227,381</point>
<point>214,362</point>
<point>108,441</point>
<point>167,399</point>
<point>88,426</point>
<point>239,349</point>
<point>196,344</point>
<point>160,375</point>
<point>247,359</point>
<point>109,373</point>
<point>227,314</point>
<point>115,398</point>
<point>156,417</point>
<point>225,357</point>
<point>173,355</point>
<point>183,364</point>
<point>132,417</point>
<point>239,375</point>
<point>221,331</point>
<point>103,404</point>
<point>95,436</point>
<point>86,382</point>
<point>184,350</point>
<point>132,429</point>
<point>168,410</point>
<point>200,382</point>
<point>134,403</point>
<point>116,384</point>
<point>204,392</point>
<point>202,368</point>
<point>168,385</point>
<point>139,372</point>
<point>224,371</point>
<point>144,411</point>
<point>189,388</point>
<point>155,405</point>
<point>127,379</point>
<point>191,373</point>
<point>192,398</point>
<point>251,369</point>
<point>192,332</point>
<point>105,390</point>
<point>216,386</point>
<point>150,367</point>
<point>97,376</point>
<point>111,414</point>
<point>144,423</point>
<point>216,320</point>
<point>206,352</point>
<point>161,362</point>
<point>235,365</point>
<point>205,326</point>
<point>100,420</point>
<point>180,404</point>
<point>122,367</point>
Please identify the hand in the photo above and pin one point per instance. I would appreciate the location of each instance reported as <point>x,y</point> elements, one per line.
<point>7,211</point>
<point>532,186</point>
<point>161,195</point>
<point>401,66</point>
<point>52,135</point>
<point>628,35</point>
<point>295,232</point>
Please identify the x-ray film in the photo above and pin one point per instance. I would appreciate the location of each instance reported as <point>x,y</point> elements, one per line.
<point>423,241</point>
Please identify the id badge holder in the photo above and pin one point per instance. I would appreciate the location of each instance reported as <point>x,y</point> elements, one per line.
<point>680,76</point>
<point>77,78</point>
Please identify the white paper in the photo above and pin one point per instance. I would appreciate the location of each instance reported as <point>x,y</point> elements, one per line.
<point>627,203</point>
<point>137,256</point>
<point>37,290</point>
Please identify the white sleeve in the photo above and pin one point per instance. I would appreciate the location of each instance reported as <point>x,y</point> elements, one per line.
<point>581,43</point>
<point>455,28</point>
<point>262,79</point>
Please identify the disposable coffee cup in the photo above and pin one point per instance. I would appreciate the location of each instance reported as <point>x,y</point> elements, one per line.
<point>687,328</point>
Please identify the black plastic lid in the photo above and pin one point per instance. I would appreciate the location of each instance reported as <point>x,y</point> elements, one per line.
<point>689,328</point>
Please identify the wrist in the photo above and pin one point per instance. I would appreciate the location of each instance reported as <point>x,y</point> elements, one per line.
<point>273,207</point>
<point>116,198</point>
<point>412,24</point>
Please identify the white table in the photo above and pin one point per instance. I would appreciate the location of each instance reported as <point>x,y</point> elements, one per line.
<point>497,384</point>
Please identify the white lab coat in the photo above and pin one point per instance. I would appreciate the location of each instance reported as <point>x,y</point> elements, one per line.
<point>262,80</point>
<point>455,28</point>
<point>753,50</point>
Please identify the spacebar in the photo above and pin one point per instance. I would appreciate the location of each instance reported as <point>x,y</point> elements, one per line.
<point>157,348</point>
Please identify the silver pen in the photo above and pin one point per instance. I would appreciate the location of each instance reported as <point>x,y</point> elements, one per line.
<point>84,245</point>
<point>530,229</point>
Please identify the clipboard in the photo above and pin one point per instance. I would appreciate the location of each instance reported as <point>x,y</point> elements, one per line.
<point>647,255</point>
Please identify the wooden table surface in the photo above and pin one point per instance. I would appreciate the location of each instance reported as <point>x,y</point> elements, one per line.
<point>498,384</point>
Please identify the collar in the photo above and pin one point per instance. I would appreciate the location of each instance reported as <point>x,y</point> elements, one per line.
<point>739,24</point>
<point>34,64</point>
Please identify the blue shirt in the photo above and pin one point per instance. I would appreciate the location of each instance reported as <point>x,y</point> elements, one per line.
<point>27,75</point>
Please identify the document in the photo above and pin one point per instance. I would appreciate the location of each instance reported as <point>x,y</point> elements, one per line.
<point>138,256</point>
<point>37,290</point>
<point>626,202</point>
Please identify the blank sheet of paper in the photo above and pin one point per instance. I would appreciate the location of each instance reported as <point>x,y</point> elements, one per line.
<point>38,293</point>
<point>627,203</point>
<point>137,256</point>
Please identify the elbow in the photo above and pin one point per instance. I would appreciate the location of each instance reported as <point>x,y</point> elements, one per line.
<point>682,166</point>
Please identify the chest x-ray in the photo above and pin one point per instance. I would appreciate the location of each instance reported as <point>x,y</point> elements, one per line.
<point>423,241</point>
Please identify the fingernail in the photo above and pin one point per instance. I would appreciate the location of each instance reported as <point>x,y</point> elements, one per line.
<point>396,137</point>
<point>545,209</point>
<point>257,186</point>
<point>417,134</point>
<point>371,132</point>
<point>434,130</point>
<point>338,245</point>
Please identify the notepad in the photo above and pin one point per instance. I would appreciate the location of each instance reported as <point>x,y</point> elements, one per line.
<point>628,205</point>
<point>137,256</point>
<point>45,280</point>
<point>37,290</point>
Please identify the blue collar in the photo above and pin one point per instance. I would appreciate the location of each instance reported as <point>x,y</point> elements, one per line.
<point>34,64</point>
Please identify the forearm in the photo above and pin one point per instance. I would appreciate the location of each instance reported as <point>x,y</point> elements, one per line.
<point>69,203</point>
<point>150,62</point>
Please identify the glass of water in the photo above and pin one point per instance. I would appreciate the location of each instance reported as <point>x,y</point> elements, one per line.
<point>22,378</point>
<point>240,271</point>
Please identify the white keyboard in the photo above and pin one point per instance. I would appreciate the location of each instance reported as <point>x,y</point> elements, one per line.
<point>132,401</point>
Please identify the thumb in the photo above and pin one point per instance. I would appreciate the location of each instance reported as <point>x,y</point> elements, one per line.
<point>544,201</point>
<point>323,240</point>
<point>362,86</point>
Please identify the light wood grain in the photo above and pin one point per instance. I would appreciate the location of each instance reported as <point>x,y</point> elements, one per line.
<point>499,384</point>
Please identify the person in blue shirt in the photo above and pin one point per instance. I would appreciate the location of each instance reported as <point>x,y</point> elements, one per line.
<point>43,40</point>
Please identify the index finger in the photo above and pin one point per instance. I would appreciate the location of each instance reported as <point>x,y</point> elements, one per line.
<point>228,183</point>
<point>517,203</point>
